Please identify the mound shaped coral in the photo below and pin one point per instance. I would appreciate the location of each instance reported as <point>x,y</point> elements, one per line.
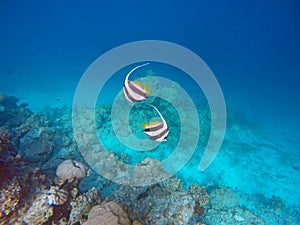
<point>70,170</point>
<point>107,213</point>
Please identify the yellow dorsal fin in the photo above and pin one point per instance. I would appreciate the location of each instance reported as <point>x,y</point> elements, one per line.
<point>147,89</point>
<point>154,122</point>
<point>139,83</point>
<point>145,125</point>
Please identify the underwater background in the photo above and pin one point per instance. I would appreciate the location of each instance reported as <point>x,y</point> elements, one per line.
<point>252,47</point>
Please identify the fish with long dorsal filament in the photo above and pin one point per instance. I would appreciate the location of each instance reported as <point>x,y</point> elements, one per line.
<point>157,131</point>
<point>135,91</point>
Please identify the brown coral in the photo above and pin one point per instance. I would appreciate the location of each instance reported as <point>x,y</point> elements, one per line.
<point>107,213</point>
<point>70,170</point>
<point>57,196</point>
<point>198,210</point>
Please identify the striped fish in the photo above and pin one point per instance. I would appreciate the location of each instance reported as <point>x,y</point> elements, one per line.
<point>157,131</point>
<point>135,91</point>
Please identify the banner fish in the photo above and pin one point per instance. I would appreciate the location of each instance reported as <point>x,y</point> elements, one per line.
<point>135,91</point>
<point>157,131</point>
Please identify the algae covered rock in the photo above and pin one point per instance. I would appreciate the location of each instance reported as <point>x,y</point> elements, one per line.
<point>149,171</point>
<point>36,149</point>
<point>36,145</point>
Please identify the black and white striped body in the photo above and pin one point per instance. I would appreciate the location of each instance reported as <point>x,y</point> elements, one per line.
<point>134,91</point>
<point>157,131</point>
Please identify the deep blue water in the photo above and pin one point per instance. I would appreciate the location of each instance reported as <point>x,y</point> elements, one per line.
<point>252,47</point>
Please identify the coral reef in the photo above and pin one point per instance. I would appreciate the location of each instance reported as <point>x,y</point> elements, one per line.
<point>18,191</point>
<point>69,210</point>
<point>32,198</point>
<point>44,182</point>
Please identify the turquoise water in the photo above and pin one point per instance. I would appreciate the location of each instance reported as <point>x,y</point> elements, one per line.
<point>251,47</point>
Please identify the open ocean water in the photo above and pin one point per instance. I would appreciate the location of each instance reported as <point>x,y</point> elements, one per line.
<point>252,48</point>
